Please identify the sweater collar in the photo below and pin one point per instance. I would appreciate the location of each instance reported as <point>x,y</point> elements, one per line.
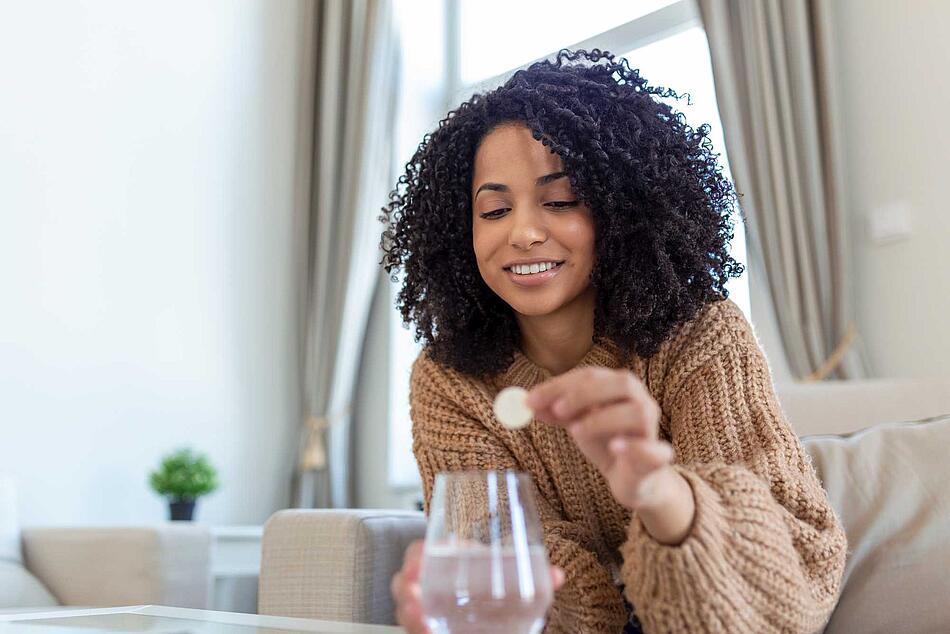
<point>526,373</point>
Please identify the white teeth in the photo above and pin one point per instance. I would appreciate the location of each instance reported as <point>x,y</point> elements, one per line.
<point>529,269</point>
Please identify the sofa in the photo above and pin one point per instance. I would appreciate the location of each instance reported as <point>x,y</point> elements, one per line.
<point>42,568</point>
<point>886,478</point>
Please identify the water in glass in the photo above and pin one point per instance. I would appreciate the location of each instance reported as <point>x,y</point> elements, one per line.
<point>484,566</point>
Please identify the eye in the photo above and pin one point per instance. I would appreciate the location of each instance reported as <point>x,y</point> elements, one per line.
<point>561,204</point>
<point>494,214</point>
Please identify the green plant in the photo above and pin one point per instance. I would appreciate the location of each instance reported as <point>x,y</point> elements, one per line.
<point>184,476</point>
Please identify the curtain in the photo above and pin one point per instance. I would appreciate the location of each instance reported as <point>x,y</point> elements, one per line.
<point>356,65</point>
<point>773,67</point>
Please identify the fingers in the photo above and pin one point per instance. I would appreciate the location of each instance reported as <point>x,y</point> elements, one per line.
<point>409,614</point>
<point>413,556</point>
<point>641,455</point>
<point>404,590</point>
<point>544,396</point>
<point>628,418</point>
<point>637,468</point>
<point>557,577</point>
<point>411,567</point>
<point>407,593</point>
<point>565,397</point>
<point>541,396</point>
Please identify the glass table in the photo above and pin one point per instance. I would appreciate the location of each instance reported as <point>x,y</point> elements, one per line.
<point>154,619</point>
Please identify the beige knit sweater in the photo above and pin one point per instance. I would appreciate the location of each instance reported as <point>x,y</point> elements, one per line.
<point>766,552</point>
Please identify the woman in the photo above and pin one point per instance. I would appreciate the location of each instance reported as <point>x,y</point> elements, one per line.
<point>568,233</point>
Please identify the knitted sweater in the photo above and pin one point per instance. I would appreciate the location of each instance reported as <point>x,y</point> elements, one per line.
<point>766,552</point>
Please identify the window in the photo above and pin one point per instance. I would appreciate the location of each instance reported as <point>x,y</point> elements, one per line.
<point>498,35</point>
<point>663,38</point>
<point>681,61</point>
<point>422,101</point>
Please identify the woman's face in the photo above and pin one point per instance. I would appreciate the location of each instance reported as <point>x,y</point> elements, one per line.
<point>524,212</point>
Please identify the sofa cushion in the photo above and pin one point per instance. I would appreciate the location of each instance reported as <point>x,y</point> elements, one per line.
<point>163,564</point>
<point>889,485</point>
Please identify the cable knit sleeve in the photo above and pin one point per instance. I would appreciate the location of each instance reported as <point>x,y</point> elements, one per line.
<point>450,433</point>
<point>766,552</point>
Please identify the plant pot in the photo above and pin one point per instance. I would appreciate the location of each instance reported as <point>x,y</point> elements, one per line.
<point>182,510</point>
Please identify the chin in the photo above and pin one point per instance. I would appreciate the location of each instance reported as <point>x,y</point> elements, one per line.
<point>533,308</point>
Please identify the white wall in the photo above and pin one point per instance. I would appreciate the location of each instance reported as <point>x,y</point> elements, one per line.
<point>149,251</point>
<point>892,60</point>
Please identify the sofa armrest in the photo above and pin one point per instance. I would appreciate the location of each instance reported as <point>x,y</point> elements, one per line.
<point>166,564</point>
<point>838,407</point>
<point>334,564</point>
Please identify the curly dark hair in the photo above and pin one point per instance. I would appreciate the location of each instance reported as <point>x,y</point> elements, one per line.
<point>661,207</point>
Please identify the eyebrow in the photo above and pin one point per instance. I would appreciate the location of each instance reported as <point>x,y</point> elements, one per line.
<point>541,180</point>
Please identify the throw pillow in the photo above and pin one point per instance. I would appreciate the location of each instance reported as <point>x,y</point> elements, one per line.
<point>889,486</point>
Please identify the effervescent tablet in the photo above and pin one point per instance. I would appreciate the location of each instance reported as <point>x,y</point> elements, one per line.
<point>511,408</point>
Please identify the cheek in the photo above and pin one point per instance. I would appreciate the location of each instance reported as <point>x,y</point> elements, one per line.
<point>484,244</point>
<point>579,237</point>
<point>479,246</point>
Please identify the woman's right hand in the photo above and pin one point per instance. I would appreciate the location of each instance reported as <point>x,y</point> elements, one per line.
<point>407,592</point>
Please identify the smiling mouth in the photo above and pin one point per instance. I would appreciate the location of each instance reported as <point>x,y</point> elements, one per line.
<point>526,271</point>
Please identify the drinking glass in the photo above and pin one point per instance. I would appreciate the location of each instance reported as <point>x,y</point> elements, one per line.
<point>484,567</point>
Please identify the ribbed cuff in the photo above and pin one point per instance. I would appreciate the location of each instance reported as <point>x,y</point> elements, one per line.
<point>709,524</point>
<point>671,582</point>
<point>737,563</point>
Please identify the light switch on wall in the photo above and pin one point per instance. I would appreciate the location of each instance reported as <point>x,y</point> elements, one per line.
<point>890,223</point>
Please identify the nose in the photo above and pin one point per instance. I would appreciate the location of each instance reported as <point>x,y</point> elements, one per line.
<point>527,229</point>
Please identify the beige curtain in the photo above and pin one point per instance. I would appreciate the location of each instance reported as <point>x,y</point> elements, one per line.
<point>356,77</point>
<point>774,73</point>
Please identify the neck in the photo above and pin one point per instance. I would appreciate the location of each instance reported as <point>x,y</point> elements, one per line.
<point>558,341</point>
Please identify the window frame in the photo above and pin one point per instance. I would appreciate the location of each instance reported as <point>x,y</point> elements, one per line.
<point>647,29</point>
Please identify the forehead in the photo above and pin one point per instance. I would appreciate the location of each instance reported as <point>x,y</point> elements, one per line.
<point>509,153</point>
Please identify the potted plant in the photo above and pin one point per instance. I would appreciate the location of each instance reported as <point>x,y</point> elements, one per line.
<point>183,477</point>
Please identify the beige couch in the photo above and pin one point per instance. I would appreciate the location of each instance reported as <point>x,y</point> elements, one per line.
<point>887,483</point>
<point>165,564</point>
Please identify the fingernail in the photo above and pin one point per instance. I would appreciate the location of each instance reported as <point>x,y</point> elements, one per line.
<point>645,490</point>
<point>617,445</point>
<point>415,591</point>
<point>573,428</point>
<point>647,487</point>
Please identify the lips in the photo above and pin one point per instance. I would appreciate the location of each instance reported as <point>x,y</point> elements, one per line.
<point>534,279</point>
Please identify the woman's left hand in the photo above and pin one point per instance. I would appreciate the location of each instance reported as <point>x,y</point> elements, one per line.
<point>615,422</point>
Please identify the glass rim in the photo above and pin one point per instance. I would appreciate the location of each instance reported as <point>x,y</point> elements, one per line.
<point>480,474</point>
